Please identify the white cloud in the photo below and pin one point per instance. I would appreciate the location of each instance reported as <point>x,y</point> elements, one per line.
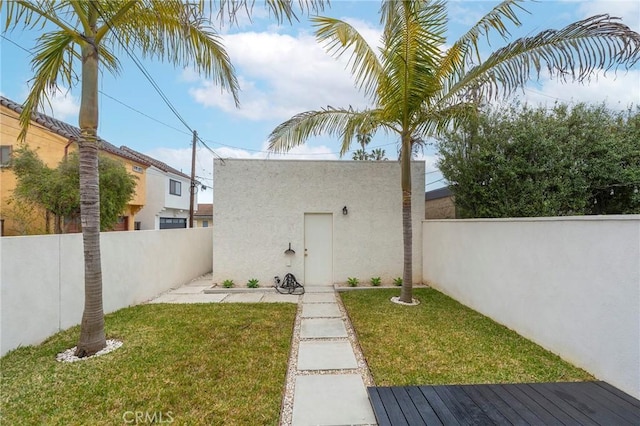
<point>62,105</point>
<point>628,10</point>
<point>282,75</point>
<point>618,90</point>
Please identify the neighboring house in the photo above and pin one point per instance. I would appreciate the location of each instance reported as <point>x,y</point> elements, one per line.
<point>53,140</point>
<point>439,204</point>
<point>340,218</point>
<point>168,194</point>
<point>203,217</point>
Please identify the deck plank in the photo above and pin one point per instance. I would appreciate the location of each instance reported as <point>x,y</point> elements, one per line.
<point>473,414</point>
<point>498,410</point>
<point>548,402</point>
<point>631,400</point>
<point>600,410</point>
<point>547,418</point>
<point>514,403</point>
<point>393,408</point>
<point>438,405</point>
<point>409,409</point>
<point>424,408</point>
<point>571,403</point>
<point>550,391</point>
<point>378,407</point>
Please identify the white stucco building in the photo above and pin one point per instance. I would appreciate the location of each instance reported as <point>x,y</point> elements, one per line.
<point>342,218</point>
<point>167,202</point>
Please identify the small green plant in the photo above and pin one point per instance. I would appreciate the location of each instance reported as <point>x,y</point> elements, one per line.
<point>375,281</point>
<point>227,283</point>
<point>397,281</point>
<point>353,282</point>
<point>252,283</point>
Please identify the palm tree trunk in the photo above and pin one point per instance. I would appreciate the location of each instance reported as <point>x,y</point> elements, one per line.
<point>406,294</point>
<point>92,335</point>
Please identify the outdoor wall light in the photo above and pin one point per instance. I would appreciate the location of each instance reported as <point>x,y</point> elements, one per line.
<point>345,211</point>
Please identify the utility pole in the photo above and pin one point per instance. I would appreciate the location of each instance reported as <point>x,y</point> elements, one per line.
<point>192,186</point>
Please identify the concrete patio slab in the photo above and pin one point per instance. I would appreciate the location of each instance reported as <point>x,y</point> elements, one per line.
<point>320,310</point>
<point>280,298</point>
<point>322,328</point>
<point>318,297</point>
<point>164,298</point>
<point>331,400</point>
<point>188,290</point>
<point>189,298</point>
<point>320,355</point>
<point>244,298</point>
<point>319,289</point>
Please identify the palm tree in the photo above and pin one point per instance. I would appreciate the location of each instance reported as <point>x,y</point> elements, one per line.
<point>418,86</point>
<point>84,34</point>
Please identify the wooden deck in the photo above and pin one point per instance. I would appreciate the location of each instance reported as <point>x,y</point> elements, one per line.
<point>582,403</point>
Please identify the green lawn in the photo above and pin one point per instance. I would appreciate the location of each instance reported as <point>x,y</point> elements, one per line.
<point>192,364</point>
<point>441,341</point>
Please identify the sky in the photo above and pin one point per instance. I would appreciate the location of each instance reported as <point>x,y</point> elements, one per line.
<point>283,71</point>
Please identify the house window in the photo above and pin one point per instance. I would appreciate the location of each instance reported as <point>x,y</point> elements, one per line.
<point>205,223</point>
<point>175,187</point>
<point>5,154</point>
<point>137,169</point>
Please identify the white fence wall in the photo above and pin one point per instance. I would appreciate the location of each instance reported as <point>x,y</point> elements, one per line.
<point>42,277</point>
<point>570,284</point>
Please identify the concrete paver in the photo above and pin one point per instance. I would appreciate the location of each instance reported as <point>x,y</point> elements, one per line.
<point>243,298</point>
<point>323,355</point>
<point>318,298</point>
<point>319,289</point>
<point>189,298</point>
<point>318,310</point>
<point>280,298</point>
<point>322,328</point>
<point>188,290</point>
<point>334,399</point>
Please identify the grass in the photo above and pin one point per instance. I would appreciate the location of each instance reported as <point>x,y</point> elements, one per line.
<point>192,364</point>
<point>441,341</point>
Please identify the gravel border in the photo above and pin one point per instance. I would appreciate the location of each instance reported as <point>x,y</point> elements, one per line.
<point>68,355</point>
<point>286,409</point>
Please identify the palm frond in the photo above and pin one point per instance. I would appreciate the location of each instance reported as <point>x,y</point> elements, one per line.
<point>413,38</point>
<point>53,59</point>
<point>172,31</point>
<point>466,47</point>
<point>282,10</point>
<point>343,123</point>
<point>574,53</point>
<point>35,14</point>
<point>338,37</point>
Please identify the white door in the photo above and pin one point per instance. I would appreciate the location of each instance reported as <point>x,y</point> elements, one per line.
<point>318,248</point>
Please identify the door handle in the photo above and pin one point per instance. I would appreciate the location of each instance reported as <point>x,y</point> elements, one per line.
<point>305,252</point>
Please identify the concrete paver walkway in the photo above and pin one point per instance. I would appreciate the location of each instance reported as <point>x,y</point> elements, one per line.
<point>327,376</point>
<point>327,379</point>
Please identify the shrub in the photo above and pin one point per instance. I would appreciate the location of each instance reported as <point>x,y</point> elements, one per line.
<point>375,281</point>
<point>397,281</point>
<point>227,283</point>
<point>252,283</point>
<point>353,282</point>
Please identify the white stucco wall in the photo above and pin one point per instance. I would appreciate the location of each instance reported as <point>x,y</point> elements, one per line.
<point>570,284</point>
<point>42,277</point>
<point>260,207</point>
<point>154,202</point>
<point>160,203</point>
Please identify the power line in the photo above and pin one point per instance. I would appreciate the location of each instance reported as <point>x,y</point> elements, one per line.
<point>435,181</point>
